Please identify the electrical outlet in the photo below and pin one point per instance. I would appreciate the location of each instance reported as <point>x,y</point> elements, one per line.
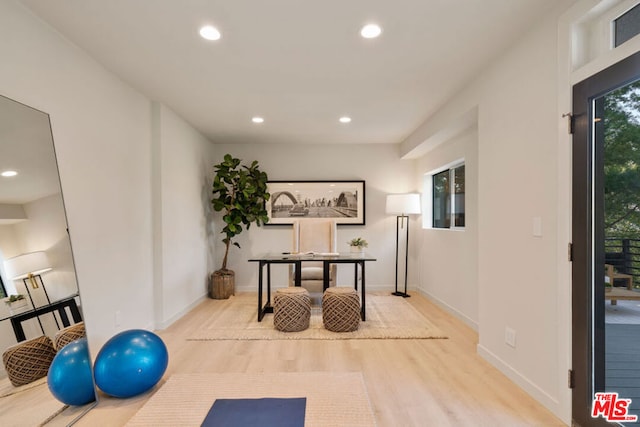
<point>510,337</point>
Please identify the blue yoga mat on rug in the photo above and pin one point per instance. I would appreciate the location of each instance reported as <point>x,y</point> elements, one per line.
<point>266,412</point>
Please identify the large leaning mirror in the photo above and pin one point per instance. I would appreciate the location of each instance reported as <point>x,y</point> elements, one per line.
<point>40,308</point>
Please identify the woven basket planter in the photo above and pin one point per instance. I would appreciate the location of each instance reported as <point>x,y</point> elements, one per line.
<point>341,309</point>
<point>291,309</point>
<point>29,360</point>
<point>222,284</point>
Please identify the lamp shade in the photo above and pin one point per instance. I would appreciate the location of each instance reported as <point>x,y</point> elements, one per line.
<point>21,266</point>
<point>403,203</point>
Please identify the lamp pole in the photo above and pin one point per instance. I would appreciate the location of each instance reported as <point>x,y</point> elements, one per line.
<point>403,204</point>
<point>400,224</point>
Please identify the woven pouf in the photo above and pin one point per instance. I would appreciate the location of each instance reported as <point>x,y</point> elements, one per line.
<point>341,309</point>
<point>67,335</point>
<point>28,360</point>
<point>291,309</point>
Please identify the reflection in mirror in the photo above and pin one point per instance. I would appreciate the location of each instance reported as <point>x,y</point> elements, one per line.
<point>37,276</point>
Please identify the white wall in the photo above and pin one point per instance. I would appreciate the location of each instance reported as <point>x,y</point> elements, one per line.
<point>128,168</point>
<point>378,164</point>
<point>184,248</point>
<point>524,172</point>
<point>517,183</point>
<point>46,230</point>
<point>517,176</point>
<point>448,261</point>
<point>101,129</point>
<point>9,246</point>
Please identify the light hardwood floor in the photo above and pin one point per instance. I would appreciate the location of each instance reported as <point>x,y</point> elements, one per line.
<point>410,382</point>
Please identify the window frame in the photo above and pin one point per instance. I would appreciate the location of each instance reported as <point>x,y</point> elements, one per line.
<point>428,200</point>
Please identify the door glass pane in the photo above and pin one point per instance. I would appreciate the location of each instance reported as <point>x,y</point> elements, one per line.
<point>617,137</point>
<point>441,200</point>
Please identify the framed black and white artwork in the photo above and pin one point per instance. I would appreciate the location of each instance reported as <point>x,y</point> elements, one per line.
<point>339,200</point>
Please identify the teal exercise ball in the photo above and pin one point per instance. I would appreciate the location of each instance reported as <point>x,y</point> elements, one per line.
<point>130,363</point>
<point>69,378</point>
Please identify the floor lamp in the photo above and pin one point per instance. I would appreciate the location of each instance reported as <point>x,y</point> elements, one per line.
<point>402,205</point>
<point>29,268</point>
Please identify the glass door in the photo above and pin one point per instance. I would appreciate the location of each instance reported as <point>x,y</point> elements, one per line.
<point>606,246</point>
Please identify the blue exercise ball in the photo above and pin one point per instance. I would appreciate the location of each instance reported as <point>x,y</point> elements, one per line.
<point>69,376</point>
<point>130,363</point>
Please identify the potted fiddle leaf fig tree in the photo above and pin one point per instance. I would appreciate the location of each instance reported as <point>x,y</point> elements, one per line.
<point>240,193</point>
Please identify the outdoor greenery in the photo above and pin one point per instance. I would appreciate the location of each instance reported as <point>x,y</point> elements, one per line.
<point>240,192</point>
<point>621,128</point>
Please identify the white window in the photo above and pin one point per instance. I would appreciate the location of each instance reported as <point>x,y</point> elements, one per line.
<point>446,188</point>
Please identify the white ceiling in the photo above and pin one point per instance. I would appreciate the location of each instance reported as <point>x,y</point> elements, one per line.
<point>300,64</point>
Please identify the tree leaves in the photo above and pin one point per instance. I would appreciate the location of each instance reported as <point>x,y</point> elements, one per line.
<point>241,192</point>
<point>622,161</point>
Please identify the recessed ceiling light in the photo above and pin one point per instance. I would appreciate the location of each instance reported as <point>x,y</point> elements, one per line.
<point>345,119</point>
<point>8,174</point>
<point>210,32</point>
<point>370,31</point>
<point>257,120</point>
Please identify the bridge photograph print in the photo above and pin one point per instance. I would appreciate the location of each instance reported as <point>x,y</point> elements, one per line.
<point>300,200</point>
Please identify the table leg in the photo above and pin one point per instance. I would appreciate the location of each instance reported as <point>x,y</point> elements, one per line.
<point>297,278</point>
<point>75,312</point>
<point>17,330</point>
<point>355,276</point>
<point>363,308</point>
<point>266,308</point>
<point>325,275</point>
<point>63,316</point>
<point>269,284</point>
<point>260,313</point>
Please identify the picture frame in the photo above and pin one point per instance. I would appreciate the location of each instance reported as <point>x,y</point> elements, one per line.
<point>343,201</point>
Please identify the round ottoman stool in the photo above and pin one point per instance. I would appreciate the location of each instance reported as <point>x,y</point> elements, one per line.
<point>28,361</point>
<point>67,335</point>
<point>341,309</point>
<point>291,309</point>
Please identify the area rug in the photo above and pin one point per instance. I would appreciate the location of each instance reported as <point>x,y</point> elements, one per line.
<point>388,317</point>
<point>333,399</point>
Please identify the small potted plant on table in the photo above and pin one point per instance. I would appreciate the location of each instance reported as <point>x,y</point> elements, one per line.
<point>357,245</point>
<point>16,302</point>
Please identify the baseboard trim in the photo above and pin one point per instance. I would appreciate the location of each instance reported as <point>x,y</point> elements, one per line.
<point>168,322</point>
<point>451,310</point>
<point>551,403</point>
